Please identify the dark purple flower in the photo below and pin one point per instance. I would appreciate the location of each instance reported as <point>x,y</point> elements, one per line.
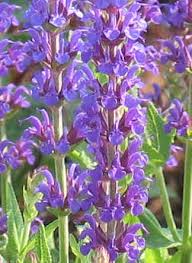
<point>3,222</point>
<point>20,152</point>
<point>50,188</point>
<point>12,98</point>
<point>133,242</point>
<point>37,14</point>
<point>36,223</point>
<point>135,198</point>
<point>43,131</point>
<point>172,161</point>
<point>3,147</point>
<point>128,240</point>
<point>80,194</point>
<point>175,14</point>
<point>177,119</point>
<point>175,50</point>
<point>7,18</point>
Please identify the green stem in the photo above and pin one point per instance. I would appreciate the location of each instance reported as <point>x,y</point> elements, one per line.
<point>187,191</point>
<point>58,123</point>
<point>24,240</point>
<point>187,194</point>
<point>25,235</point>
<point>5,178</point>
<point>166,204</point>
<point>61,175</point>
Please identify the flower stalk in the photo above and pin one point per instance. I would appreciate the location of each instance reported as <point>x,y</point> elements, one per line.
<point>187,191</point>
<point>166,204</point>
<point>61,175</point>
<point>60,169</point>
<point>5,177</point>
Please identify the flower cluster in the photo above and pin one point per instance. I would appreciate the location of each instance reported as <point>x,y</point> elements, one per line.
<point>7,18</point>
<point>110,116</point>
<point>12,98</point>
<point>15,154</point>
<point>49,187</point>
<point>175,14</point>
<point>128,240</point>
<point>177,119</point>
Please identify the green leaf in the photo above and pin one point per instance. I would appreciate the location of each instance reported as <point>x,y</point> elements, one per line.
<point>13,206</point>
<point>176,258</point>
<point>58,212</point>
<point>49,229</point>
<point>75,247</point>
<point>76,250</point>
<point>158,237</point>
<point>157,143</point>
<point>42,246</point>
<point>122,258</point>
<point>81,156</point>
<point>12,248</point>
<point>130,219</point>
<point>30,199</point>
<point>155,255</point>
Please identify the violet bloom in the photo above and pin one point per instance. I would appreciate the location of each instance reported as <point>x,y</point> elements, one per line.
<point>20,152</point>
<point>172,161</point>
<point>37,14</point>
<point>177,119</point>
<point>135,199</point>
<point>12,98</point>
<point>3,222</point>
<point>44,89</point>
<point>176,51</point>
<point>175,14</point>
<point>14,54</point>
<point>7,18</point>
<point>80,195</point>
<point>35,225</point>
<point>50,188</point>
<point>3,147</point>
<point>43,131</point>
<point>128,240</point>
<point>154,96</point>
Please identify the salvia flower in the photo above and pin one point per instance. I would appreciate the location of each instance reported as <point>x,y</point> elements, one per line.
<point>50,188</point>
<point>177,119</point>
<point>3,222</point>
<point>20,152</point>
<point>43,131</point>
<point>3,147</point>
<point>13,98</point>
<point>175,14</point>
<point>176,51</point>
<point>128,240</point>
<point>37,14</point>
<point>36,223</point>
<point>7,18</point>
